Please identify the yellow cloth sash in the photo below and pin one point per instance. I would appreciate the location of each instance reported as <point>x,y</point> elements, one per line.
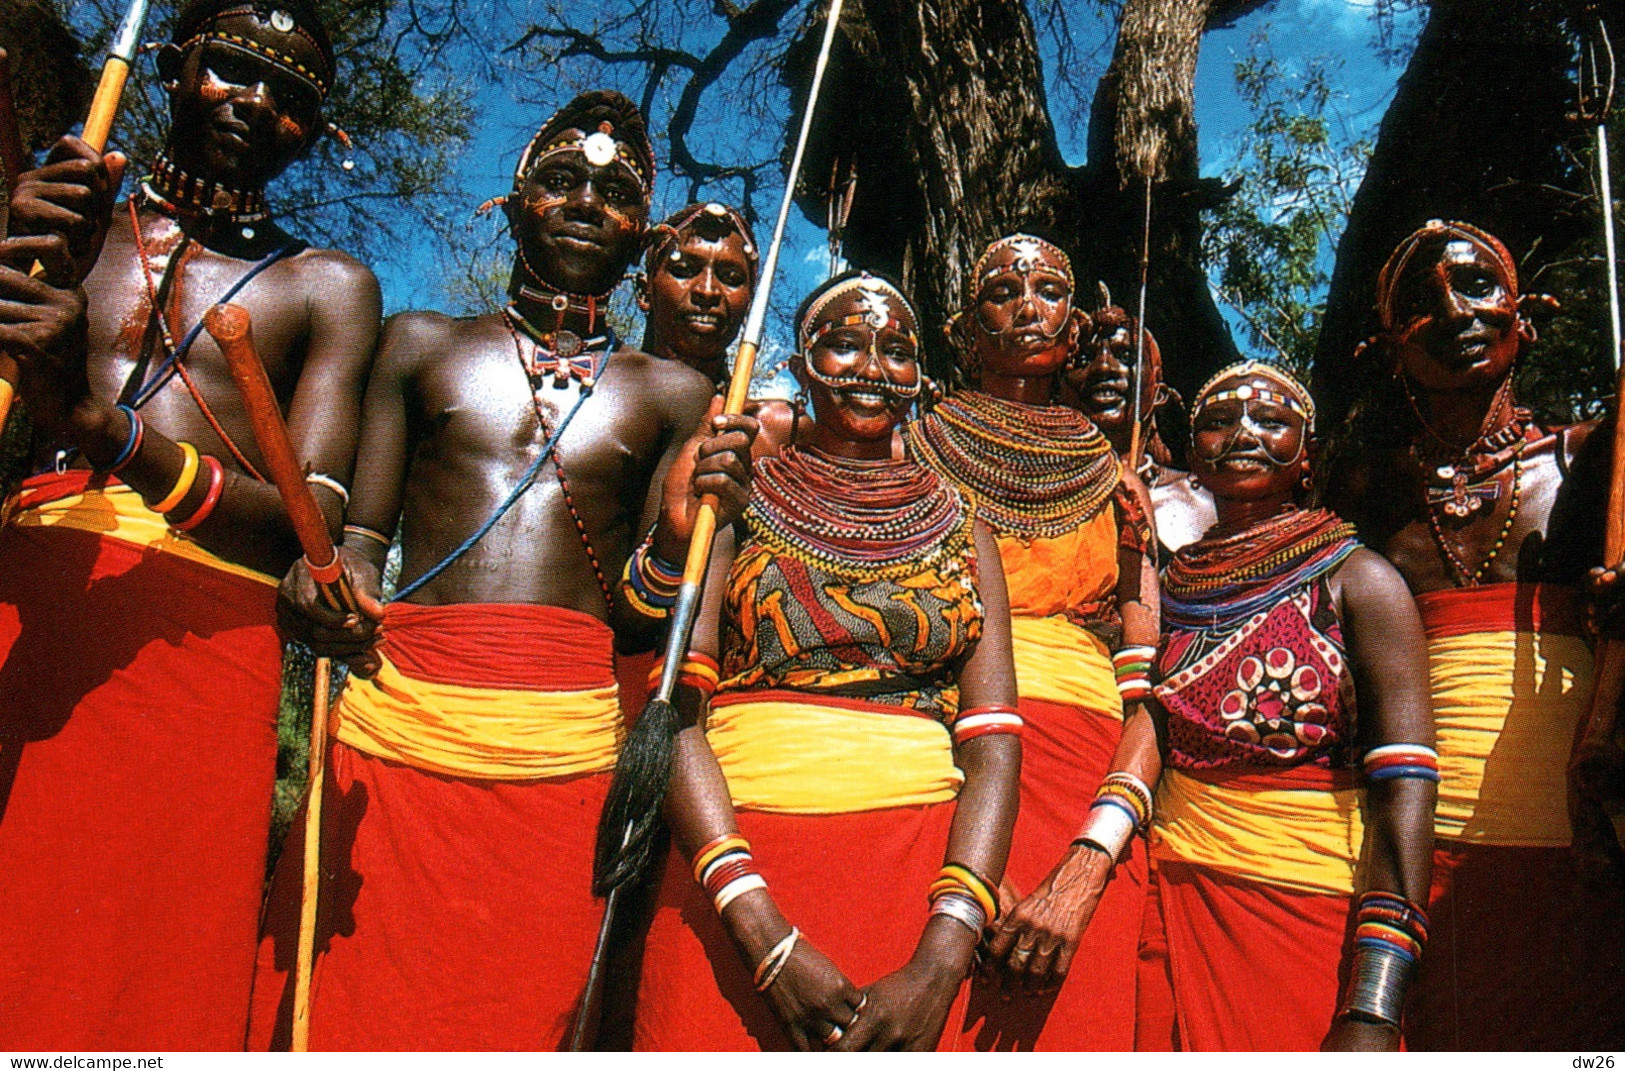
<point>118,512</point>
<point>1060,662</point>
<point>1506,706</point>
<point>787,757</point>
<point>1302,838</point>
<point>493,734</point>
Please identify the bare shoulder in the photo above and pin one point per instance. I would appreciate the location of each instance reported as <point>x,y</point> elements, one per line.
<point>332,274</point>
<point>678,391</point>
<point>1369,581</point>
<point>412,340</point>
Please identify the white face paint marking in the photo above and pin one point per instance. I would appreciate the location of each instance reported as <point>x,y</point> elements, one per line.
<point>876,307</point>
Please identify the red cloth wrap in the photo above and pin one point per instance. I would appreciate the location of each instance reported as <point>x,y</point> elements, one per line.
<point>1524,953</point>
<point>455,914</point>
<point>696,994</point>
<point>1065,753</point>
<point>137,755</point>
<point>1228,965</point>
<point>1553,608</point>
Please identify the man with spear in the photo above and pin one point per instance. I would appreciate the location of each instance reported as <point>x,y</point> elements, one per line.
<point>1494,520</point>
<point>141,669</point>
<point>521,454</point>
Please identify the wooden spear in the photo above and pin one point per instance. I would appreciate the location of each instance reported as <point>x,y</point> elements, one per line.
<point>98,125</point>
<point>231,328</point>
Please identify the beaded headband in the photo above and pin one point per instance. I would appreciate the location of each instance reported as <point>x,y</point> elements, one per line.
<point>1028,249</point>
<point>1293,395</point>
<point>283,21</point>
<point>668,234</point>
<point>875,309</point>
<point>1388,278</point>
<point>600,147</point>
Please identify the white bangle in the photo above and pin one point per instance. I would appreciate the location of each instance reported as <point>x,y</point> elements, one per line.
<point>321,479</point>
<point>737,888</point>
<point>1109,828</point>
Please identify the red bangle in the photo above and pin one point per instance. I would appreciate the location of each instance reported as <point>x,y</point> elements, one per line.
<point>217,483</point>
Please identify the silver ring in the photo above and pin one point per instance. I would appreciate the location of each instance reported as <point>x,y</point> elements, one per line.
<point>857,1011</point>
<point>835,1034</point>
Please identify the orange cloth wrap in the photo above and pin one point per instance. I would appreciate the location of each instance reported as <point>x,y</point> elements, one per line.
<point>1511,680</point>
<point>137,756</point>
<point>1236,965</point>
<point>461,915</point>
<point>1063,575</point>
<point>1526,951</point>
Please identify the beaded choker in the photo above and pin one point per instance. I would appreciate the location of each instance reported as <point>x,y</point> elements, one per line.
<point>1035,471</point>
<point>1225,579</point>
<point>866,519</point>
<point>562,354</point>
<point>175,193</point>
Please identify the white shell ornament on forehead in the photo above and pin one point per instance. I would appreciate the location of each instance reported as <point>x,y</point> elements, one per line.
<point>281,21</point>
<point>876,307</point>
<point>598,148</point>
<point>1245,391</point>
<point>716,210</point>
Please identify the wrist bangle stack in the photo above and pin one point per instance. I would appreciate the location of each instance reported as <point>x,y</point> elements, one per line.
<point>1395,761</point>
<point>698,671</point>
<point>650,583</point>
<point>767,971</point>
<point>1122,808</point>
<point>962,908</point>
<point>322,479</point>
<point>132,442</point>
<point>183,482</point>
<point>368,533</point>
<point>1390,933</point>
<point>1133,668</point>
<point>217,483</point>
<point>956,881</point>
<point>985,720</point>
<point>726,871</point>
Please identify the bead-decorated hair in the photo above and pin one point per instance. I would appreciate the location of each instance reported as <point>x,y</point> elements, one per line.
<point>882,287</point>
<point>1295,394</point>
<point>1433,229</point>
<point>711,220</point>
<point>195,22</point>
<point>593,113</point>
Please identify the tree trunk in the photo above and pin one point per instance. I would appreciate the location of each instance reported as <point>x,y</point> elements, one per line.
<point>1475,133</point>
<point>941,105</point>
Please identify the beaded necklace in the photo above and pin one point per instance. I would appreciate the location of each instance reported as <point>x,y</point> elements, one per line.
<point>1224,579</point>
<point>1463,577</point>
<point>177,193</point>
<point>865,519</point>
<point>587,382</point>
<point>1035,471</point>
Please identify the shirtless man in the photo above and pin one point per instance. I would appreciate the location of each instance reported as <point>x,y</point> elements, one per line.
<point>471,764</point>
<point>1493,520</point>
<point>141,669</point>
<point>1097,381</point>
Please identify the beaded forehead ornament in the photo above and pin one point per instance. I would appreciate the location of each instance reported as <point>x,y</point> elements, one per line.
<point>875,298</point>
<point>1294,395</point>
<point>281,21</point>
<point>1450,230</point>
<point>665,238</point>
<point>599,147</point>
<point>1029,251</point>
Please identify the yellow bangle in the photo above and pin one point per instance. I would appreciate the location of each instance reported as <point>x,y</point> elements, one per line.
<point>184,482</point>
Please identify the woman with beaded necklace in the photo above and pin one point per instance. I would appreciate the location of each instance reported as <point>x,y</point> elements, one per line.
<point>1265,843</point>
<point>1072,535</point>
<point>864,727</point>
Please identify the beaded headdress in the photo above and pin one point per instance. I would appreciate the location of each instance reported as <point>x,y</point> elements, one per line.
<point>1293,395</point>
<point>875,308</point>
<point>665,237</point>
<point>603,126</point>
<point>1388,278</point>
<point>1027,248</point>
<point>198,26</point>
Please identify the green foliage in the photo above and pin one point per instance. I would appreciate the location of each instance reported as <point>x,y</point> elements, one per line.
<point>1268,249</point>
<point>404,94</point>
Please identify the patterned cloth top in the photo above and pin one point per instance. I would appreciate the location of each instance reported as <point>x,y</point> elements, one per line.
<point>877,630</point>
<point>1253,670</point>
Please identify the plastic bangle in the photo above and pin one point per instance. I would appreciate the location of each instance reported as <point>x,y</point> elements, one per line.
<point>767,971</point>
<point>183,482</point>
<point>217,483</point>
<point>322,479</point>
<point>132,444</point>
<point>367,533</point>
<point>737,888</point>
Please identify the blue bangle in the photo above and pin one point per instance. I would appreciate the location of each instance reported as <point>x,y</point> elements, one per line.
<point>131,445</point>
<point>1394,773</point>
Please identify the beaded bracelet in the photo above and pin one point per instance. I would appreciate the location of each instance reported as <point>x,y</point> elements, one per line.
<point>1122,785</point>
<point>1122,808</point>
<point>984,720</point>
<point>651,583</point>
<point>132,443</point>
<point>698,671</point>
<point>1393,761</point>
<point>368,533</point>
<point>183,482</point>
<point>1132,666</point>
<point>957,878</point>
<point>217,483</point>
<point>767,971</point>
<point>1389,935</point>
